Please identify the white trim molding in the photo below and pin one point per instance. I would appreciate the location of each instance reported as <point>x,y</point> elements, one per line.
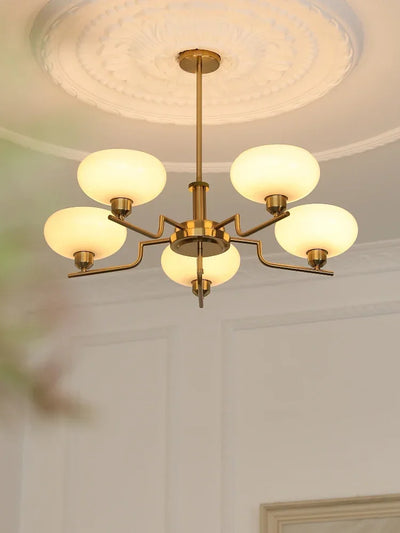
<point>275,516</point>
<point>216,167</point>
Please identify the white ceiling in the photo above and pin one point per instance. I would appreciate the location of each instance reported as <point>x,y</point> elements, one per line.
<point>352,129</point>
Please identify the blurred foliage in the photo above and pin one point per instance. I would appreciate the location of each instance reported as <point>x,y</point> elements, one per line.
<point>40,385</point>
<point>22,330</point>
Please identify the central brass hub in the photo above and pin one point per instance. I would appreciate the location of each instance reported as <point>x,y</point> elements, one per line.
<point>214,241</point>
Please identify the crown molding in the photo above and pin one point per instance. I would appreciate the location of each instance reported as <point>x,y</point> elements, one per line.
<point>359,147</point>
<point>216,167</point>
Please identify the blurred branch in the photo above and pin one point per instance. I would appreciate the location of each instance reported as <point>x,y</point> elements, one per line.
<point>41,386</point>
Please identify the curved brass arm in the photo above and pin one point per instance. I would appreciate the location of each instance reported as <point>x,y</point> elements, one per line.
<point>139,258</point>
<point>279,265</point>
<point>238,229</point>
<point>161,224</point>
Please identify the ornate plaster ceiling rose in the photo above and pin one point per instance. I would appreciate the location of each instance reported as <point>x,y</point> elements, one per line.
<point>120,56</point>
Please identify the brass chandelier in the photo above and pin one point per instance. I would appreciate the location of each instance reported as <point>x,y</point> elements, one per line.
<point>199,252</point>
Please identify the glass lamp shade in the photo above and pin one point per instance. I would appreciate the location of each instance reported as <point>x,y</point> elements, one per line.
<point>183,269</point>
<point>317,226</point>
<point>119,173</point>
<point>87,229</point>
<point>275,169</point>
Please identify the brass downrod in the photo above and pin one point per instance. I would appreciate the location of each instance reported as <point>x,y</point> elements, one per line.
<point>199,118</point>
<point>198,61</point>
<point>199,188</point>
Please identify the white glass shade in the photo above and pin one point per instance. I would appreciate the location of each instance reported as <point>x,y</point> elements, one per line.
<point>83,229</point>
<point>217,269</point>
<point>275,169</point>
<point>119,173</point>
<point>317,226</point>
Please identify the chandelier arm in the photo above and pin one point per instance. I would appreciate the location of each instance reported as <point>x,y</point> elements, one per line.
<point>138,260</point>
<point>280,265</point>
<point>238,229</point>
<point>161,225</point>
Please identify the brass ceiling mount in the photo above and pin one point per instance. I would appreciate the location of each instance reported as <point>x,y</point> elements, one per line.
<point>188,60</point>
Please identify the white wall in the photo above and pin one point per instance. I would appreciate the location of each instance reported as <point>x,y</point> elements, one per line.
<point>284,387</point>
<point>10,472</point>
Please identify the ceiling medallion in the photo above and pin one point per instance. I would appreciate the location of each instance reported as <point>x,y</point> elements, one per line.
<point>119,55</point>
<point>199,252</point>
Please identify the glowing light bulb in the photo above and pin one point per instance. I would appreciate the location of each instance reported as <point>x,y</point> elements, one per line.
<point>275,169</point>
<point>183,269</point>
<point>119,173</point>
<point>314,226</point>
<point>87,229</point>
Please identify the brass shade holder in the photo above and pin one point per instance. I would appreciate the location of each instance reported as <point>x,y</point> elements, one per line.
<point>121,207</point>
<point>200,237</point>
<point>276,204</point>
<point>317,258</point>
<point>206,287</point>
<point>84,260</point>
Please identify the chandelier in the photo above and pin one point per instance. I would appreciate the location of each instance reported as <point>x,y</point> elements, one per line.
<point>199,252</point>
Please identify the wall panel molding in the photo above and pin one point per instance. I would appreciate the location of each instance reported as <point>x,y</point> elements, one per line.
<point>230,376</point>
<point>35,511</point>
